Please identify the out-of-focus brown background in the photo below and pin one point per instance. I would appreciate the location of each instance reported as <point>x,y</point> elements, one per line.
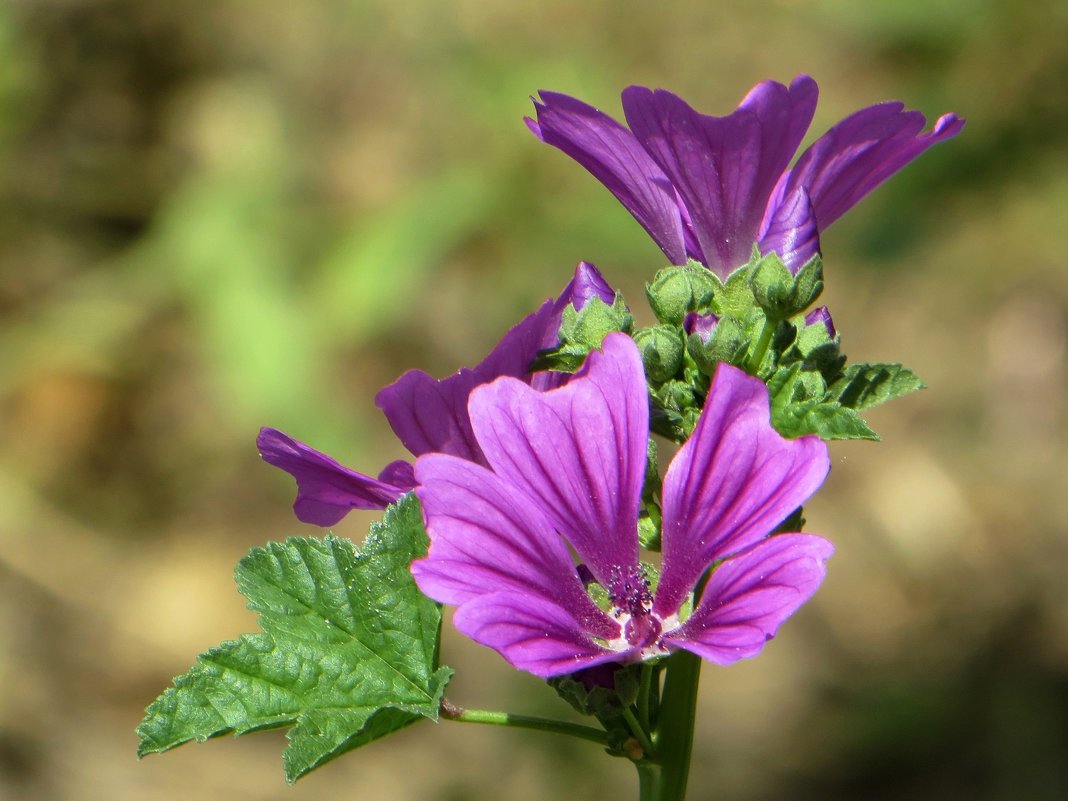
<point>217,216</point>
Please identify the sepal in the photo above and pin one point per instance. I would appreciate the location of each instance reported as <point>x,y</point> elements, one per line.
<point>779,292</point>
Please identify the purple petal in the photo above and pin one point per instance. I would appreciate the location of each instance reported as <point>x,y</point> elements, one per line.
<point>861,152</point>
<point>485,537</point>
<point>399,473</point>
<point>822,316</point>
<point>578,451</point>
<point>430,416</point>
<point>613,156</point>
<point>731,484</point>
<point>701,324</point>
<point>750,595</point>
<point>587,284</point>
<point>724,168</point>
<point>790,230</point>
<point>533,635</point>
<point>326,490</point>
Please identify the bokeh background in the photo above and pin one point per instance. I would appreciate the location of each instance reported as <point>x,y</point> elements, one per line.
<point>217,216</point>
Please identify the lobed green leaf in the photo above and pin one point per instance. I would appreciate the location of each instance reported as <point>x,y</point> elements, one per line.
<point>348,652</point>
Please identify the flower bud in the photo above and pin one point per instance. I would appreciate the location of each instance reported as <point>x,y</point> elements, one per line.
<point>821,315</point>
<point>661,347</point>
<point>711,339</point>
<point>674,291</point>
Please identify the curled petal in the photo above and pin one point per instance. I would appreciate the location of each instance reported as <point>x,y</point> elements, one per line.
<point>790,230</point>
<point>613,156</point>
<point>327,490</point>
<point>861,152</point>
<point>731,484</point>
<point>579,451</point>
<point>430,415</point>
<point>750,595</point>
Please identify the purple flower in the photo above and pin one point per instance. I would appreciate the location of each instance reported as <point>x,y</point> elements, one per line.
<point>427,415</point>
<point>708,188</point>
<point>564,472</point>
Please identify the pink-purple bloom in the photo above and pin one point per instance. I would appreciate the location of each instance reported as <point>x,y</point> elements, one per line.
<point>709,188</point>
<point>428,415</point>
<point>563,472</point>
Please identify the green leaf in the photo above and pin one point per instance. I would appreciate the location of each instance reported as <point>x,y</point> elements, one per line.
<point>865,385</point>
<point>800,406</point>
<point>348,652</point>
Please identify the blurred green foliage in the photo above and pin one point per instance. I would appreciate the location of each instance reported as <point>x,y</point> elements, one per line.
<point>216,216</point>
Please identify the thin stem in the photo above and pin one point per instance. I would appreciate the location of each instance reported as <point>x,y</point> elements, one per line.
<point>757,357</point>
<point>645,692</point>
<point>640,733</point>
<point>673,737</point>
<point>450,711</point>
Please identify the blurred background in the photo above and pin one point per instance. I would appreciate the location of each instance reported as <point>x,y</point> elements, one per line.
<point>217,216</point>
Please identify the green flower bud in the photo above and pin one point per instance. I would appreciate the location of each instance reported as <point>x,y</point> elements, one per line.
<point>674,291</point>
<point>661,348</point>
<point>780,293</point>
<point>713,339</point>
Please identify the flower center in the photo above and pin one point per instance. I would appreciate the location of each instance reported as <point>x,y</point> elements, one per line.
<point>628,590</point>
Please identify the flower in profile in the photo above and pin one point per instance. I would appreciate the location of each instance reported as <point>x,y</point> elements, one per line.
<point>428,415</point>
<point>564,471</point>
<point>709,188</point>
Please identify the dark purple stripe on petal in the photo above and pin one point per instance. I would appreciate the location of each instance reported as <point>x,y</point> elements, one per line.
<point>579,451</point>
<point>724,168</point>
<point>613,156</point>
<point>790,230</point>
<point>731,484</point>
<point>861,152</point>
<point>533,635</point>
<point>750,595</point>
<point>487,537</point>
<point>326,490</point>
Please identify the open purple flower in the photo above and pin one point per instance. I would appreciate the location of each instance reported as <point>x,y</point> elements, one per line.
<point>428,415</point>
<point>565,470</point>
<point>708,188</point>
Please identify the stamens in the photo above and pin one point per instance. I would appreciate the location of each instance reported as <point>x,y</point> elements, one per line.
<point>628,589</point>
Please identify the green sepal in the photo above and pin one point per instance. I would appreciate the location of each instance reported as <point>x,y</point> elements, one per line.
<point>676,291</point>
<point>816,348</point>
<point>862,386</point>
<point>661,347</point>
<point>675,409</point>
<point>649,518</point>
<point>604,703</point>
<point>779,292</point>
<point>582,331</point>
<point>348,652</point>
<point>799,407</point>
<point>729,342</point>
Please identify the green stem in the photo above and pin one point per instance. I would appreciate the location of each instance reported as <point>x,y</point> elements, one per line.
<point>757,357</point>
<point>640,734</point>
<point>673,737</point>
<point>450,711</point>
<point>649,780</point>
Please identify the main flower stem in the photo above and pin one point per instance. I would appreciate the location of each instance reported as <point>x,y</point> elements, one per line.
<point>450,711</point>
<point>673,736</point>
